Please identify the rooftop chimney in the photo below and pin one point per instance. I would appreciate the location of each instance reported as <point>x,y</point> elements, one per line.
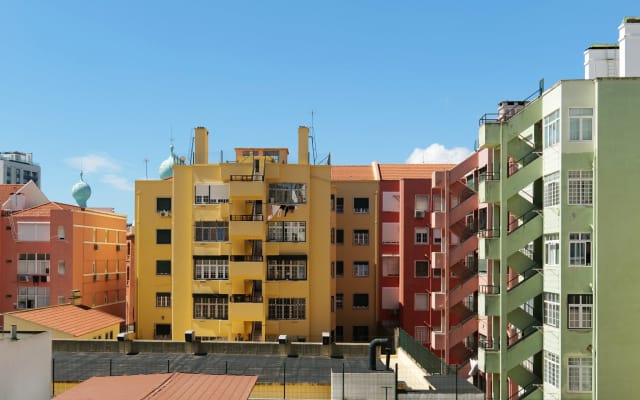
<point>303,145</point>
<point>201,146</point>
<point>629,40</point>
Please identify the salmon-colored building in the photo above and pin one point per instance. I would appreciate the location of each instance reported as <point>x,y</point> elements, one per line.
<point>55,253</point>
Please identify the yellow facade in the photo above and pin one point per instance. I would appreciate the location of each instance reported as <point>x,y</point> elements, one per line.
<point>250,249</point>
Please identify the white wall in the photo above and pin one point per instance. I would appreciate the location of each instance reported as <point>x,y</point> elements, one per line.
<point>26,366</point>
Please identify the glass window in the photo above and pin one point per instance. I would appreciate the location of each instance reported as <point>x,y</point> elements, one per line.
<point>287,308</point>
<point>287,268</point>
<point>552,369</point>
<point>287,193</point>
<point>361,205</point>
<point>552,249</point>
<point>163,204</point>
<point>361,237</point>
<point>163,299</point>
<point>340,205</point>
<point>360,268</point>
<point>210,306</point>
<point>422,268</point>
<point>163,236</point>
<point>360,300</point>
<point>579,312</point>
<point>163,267</point>
<point>580,373</point>
<point>552,309</point>
<point>580,185</point>
<point>422,235</point>
<point>580,123</point>
<point>580,249</point>
<point>211,231</point>
<point>551,190</point>
<point>339,236</point>
<point>340,268</point>
<point>421,301</point>
<point>552,129</point>
<point>287,231</point>
<point>210,268</point>
<point>390,265</point>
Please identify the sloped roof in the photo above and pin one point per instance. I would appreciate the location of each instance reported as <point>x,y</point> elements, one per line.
<point>68,318</point>
<point>6,190</point>
<point>352,173</point>
<point>163,386</point>
<point>410,171</point>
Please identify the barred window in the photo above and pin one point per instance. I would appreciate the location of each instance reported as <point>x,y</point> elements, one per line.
<point>422,334</point>
<point>287,308</point>
<point>361,237</point>
<point>212,231</point>
<point>287,193</point>
<point>551,190</point>
<point>552,309</point>
<point>552,369</point>
<point>287,231</point>
<point>580,187</point>
<point>292,268</point>
<point>210,306</point>
<point>211,268</point>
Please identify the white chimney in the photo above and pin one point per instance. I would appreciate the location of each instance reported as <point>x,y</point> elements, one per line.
<point>629,40</point>
<point>601,61</point>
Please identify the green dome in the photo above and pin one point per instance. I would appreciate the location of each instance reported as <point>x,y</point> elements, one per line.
<point>81,192</point>
<point>166,167</point>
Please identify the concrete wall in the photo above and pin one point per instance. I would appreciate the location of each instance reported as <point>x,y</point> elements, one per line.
<point>26,372</point>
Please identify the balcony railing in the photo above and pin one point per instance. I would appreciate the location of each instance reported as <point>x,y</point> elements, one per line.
<point>526,332</point>
<point>489,176</point>
<point>489,233</point>
<point>488,344</point>
<point>246,217</point>
<point>246,298</point>
<point>247,178</point>
<point>489,289</point>
<point>515,166</point>
<point>247,258</point>
<point>523,219</point>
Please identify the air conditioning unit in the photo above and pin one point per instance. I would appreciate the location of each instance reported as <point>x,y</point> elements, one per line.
<point>418,213</point>
<point>24,278</point>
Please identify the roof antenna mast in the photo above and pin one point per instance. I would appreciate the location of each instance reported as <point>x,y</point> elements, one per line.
<point>313,141</point>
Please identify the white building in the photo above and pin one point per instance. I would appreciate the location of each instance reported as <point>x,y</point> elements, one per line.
<point>17,167</point>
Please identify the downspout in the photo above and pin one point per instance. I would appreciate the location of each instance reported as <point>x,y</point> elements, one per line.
<point>372,351</point>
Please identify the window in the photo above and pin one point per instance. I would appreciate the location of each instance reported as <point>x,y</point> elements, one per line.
<point>163,267</point>
<point>33,231</point>
<point>390,297</point>
<point>33,264</point>
<point>163,204</point>
<point>287,231</point>
<point>287,268</point>
<point>339,236</point>
<point>333,269</point>
<point>360,268</point>
<point>422,235</point>
<point>580,249</point>
<point>437,273</point>
<point>437,202</point>
<point>211,193</point>
<point>287,193</point>
<point>360,205</point>
<point>163,236</point>
<point>422,202</point>
<point>360,333</point>
<point>552,128</point>
<point>61,233</point>
<point>163,299</point>
<point>333,235</point>
<point>361,300</point>
<point>339,333</point>
<point>390,265</point>
<point>421,334</point>
<point>333,202</point>
<point>211,231</point>
<point>207,268</point>
<point>421,301</point>
<point>579,313</point>
<point>580,185</point>
<point>580,123</point>
<point>32,297</point>
<point>437,236</point>
<point>162,331</point>
<point>422,269</point>
<point>552,369</point>
<point>61,267</point>
<point>332,304</point>
<point>580,372</point>
<point>391,201</point>
<point>340,205</point>
<point>551,189</point>
<point>287,309</point>
<point>390,232</point>
<point>210,306</point>
<point>551,309</point>
<point>361,237</point>
<point>552,249</point>
<point>339,268</point>
<point>339,301</point>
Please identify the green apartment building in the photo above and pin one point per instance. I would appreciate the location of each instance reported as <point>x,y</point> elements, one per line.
<point>558,277</point>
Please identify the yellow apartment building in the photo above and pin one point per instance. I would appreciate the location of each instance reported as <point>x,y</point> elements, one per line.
<point>356,229</point>
<point>224,251</point>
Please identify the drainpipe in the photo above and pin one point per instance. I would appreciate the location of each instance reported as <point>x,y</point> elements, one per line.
<point>372,351</point>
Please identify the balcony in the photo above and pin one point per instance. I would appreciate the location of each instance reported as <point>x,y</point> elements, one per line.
<point>246,225</point>
<point>438,260</point>
<point>211,248</point>
<point>488,300</point>
<point>489,131</point>
<point>246,310</point>
<point>466,327</point>
<point>438,219</point>
<point>525,290</point>
<point>438,300</point>
<point>489,356</point>
<point>247,186</point>
<point>246,267</point>
<point>438,340</point>
<point>489,244</point>
<point>524,346</point>
<point>489,187</point>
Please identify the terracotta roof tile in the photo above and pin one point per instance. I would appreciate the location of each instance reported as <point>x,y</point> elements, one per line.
<point>68,318</point>
<point>352,173</point>
<point>411,171</point>
<point>163,387</point>
<point>6,190</point>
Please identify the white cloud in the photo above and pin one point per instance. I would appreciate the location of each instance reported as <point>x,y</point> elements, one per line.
<point>437,153</point>
<point>118,182</point>
<point>94,163</point>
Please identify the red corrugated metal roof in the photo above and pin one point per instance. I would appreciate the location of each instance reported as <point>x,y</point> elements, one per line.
<point>163,387</point>
<point>411,171</point>
<point>68,318</point>
<point>352,173</point>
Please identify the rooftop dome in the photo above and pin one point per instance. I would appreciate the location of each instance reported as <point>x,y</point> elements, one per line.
<point>166,167</point>
<point>81,192</point>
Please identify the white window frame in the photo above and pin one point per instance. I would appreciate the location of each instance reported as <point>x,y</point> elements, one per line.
<point>39,296</point>
<point>580,249</point>
<point>163,299</point>
<point>33,231</point>
<point>211,231</point>
<point>360,237</point>
<point>552,249</point>
<point>552,128</point>
<point>579,311</point>
<point>287,231</point>
<point>287,193</point>
<point>286,269</point>
<point>580,124</point>
<point>579,374</point>
<point>210,307</point>
<point>551,315</point>
<point>339,301</point>
<point>580,187</point>
<point>211,193</point>
<point>551,197</point>
<point>552,368</point>
<point>361,268</point>
<point>287,309</point>
<point>206,269</point>
<point>421,235</point>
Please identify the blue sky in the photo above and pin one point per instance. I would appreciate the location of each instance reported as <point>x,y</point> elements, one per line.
<point>107,85</point>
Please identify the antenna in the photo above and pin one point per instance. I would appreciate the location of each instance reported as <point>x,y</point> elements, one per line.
<point>146,172</point>
<point>313,140</point>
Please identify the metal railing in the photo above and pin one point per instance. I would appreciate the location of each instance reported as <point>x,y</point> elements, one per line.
<point>247,178</point>
<point>246,258</point>
<point>489,233</point>
<point>489,289</point>
<point>246,217</point>
<point>525,333</point>
<point>515,166</point>
<point>523,219</point>
<point>489,176</point>
<point>488,344</point>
